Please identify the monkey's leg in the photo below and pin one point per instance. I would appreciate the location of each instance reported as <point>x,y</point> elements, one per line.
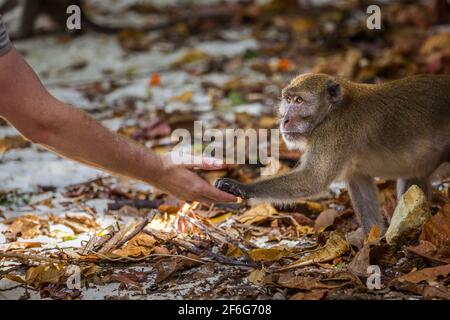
<point>404,184</point>
<point>364,195</point>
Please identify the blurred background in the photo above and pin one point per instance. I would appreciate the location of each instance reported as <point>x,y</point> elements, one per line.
<point>145,68</point>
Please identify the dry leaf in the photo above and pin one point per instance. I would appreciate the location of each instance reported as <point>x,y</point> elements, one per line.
<point>140,246</point>
<point>310,295</point>
<point>48,273</point>
<point>325,219</point>
<point>437,229</point>
<point>257,214</point>
<point>257,276</point>
<point>26,227</point>
<point>427,274</point>
<point>335,247</point>
<point>290,280</point>
<point>268,254</point>
<point>23,245</point>
<point>361,261</point>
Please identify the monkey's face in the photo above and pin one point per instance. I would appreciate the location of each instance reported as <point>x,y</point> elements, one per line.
<point>305,102</point>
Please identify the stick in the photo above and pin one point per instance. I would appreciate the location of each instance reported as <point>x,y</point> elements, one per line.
<point>138,228</point>
<point>112,243</point>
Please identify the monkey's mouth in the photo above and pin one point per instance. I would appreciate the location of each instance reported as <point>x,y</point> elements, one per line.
<point>292,135</point>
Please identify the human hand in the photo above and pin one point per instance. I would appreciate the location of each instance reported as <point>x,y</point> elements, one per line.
<point>178,179</point>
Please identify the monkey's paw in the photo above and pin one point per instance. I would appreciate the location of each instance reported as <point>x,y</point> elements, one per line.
<point>231,186</point>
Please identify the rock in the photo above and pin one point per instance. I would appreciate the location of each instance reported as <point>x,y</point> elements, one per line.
<point>411,213</point>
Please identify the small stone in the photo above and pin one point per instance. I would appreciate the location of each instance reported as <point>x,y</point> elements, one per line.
<point>411,213</point>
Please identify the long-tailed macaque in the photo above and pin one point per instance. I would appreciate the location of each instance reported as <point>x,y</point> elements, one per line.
<point>353,132</point>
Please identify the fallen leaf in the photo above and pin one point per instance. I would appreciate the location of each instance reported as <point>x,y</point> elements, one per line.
<point>48,273</point>
<point>437,229</point>
<point>23,245</point>
<point>310,295</point>
<point>257,277</point>
<point>335,247</point>
<point>258,214</point>
<point>430,252</point>
<point>290,280</point>
<point>26,227</point>
<point>325,219</point>
<point>427,274</point>
<point>268,254</point>
<point>358,266</point>
<point>425,290</point>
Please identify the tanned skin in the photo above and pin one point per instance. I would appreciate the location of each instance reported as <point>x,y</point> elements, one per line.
<point>353,132</point>
<point>72,133</point>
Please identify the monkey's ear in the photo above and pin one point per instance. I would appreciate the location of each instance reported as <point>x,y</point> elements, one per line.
<point>334,92</point>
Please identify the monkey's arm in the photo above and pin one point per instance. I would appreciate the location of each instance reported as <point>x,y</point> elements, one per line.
<point>317,171</point>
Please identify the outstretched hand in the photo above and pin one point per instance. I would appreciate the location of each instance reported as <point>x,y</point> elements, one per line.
<point>177,178</point>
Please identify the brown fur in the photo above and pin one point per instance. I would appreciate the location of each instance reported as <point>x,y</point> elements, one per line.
<point>354,132</point>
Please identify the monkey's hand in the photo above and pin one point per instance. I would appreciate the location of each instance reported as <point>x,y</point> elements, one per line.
<point>232,186</point>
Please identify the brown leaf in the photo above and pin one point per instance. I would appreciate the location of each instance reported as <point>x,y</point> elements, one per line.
<point>26,227</point>
<point>360,262</point>
<point>267,254</point>
<point>335,247</point>
<point>290,280</point>
<point>427,274</point>
<point>48,273</point>
<point>23,245</point>
<point>257,277</point>
<point>79,223</point>
<point>139,246</point>
<point>167,267</point>
<point>311,295</point>
<point>425,290</point>
<point>325,219</point>
<point>437,229</point>
<point>430,252</point>
<point>258,214</point>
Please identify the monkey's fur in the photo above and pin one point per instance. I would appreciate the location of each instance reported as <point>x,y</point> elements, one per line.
<point>353,132</point>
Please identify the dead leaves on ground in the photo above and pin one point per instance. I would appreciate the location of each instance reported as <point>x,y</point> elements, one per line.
<point>26,227</point>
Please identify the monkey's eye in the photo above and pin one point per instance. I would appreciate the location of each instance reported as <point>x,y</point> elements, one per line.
<point>298,100</point>
<point>288,99</point>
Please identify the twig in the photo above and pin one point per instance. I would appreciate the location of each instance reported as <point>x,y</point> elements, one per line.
<point>112,243</point>
<point>138,228</point>
<point>219,258</point>
<point>219,237</point>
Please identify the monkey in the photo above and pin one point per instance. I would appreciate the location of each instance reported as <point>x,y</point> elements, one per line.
<point>353,132</point>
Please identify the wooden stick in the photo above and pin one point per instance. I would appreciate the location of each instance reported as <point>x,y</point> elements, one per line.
<point>138,228</point>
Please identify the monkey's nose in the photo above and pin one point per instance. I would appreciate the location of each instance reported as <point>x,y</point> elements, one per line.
<point>285,121</point>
